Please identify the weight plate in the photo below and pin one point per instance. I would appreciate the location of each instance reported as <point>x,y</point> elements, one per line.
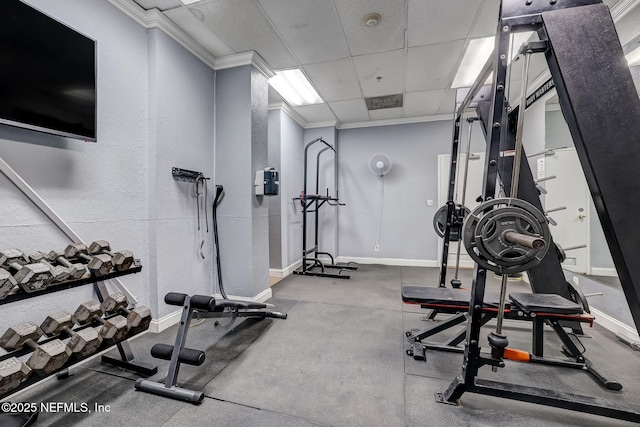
<point>484,235</point>
<point>440,221</point>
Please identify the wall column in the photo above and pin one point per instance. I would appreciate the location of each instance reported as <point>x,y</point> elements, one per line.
<point>241,149</point>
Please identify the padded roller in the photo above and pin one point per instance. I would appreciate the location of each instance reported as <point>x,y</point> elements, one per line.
<point>189,356</point>
<point>203,302</point>
<point>174,298</point>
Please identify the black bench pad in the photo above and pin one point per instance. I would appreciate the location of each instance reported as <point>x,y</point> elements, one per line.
<point>430,296</point>
<point>546,303</point>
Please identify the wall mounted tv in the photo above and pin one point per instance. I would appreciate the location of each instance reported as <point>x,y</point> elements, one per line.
<point>47,74</point>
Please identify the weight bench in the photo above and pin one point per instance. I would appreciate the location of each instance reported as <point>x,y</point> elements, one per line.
<point>196,307</point>
<point>540,309</point>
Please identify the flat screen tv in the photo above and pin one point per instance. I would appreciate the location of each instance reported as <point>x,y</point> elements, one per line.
<point>47,74</point>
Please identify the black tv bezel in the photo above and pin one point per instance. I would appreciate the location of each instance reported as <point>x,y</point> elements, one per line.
<point>58,132</point>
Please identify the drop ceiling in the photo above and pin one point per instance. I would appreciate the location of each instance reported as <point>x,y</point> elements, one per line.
<point>415,50</point>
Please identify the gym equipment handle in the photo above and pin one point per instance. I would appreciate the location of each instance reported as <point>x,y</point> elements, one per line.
<point>532,242</point>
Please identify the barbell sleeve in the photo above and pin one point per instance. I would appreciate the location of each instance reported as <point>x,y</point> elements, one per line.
<point>532,242</point>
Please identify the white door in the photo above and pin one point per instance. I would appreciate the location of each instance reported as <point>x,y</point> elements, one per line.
<point>474,189</point>
<point>569,189</point>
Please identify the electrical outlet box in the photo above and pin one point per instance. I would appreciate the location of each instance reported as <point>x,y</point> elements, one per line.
<point>376,248</point>
<point>429,202</point>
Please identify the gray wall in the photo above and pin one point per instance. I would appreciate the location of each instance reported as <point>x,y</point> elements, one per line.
<point>119,188</point>
<point>407,231</point>
<point>274,159</point>
<point>286,142</point>
<point>181,113</point>
<point>241,149</point>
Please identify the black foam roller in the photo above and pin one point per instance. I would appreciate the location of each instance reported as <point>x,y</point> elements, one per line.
<point>203,302</point>
<point>174,298</point>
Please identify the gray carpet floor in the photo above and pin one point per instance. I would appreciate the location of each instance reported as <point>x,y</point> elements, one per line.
<point>338,360</point>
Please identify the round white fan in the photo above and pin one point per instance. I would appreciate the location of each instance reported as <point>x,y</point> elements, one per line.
<point>380,164</point>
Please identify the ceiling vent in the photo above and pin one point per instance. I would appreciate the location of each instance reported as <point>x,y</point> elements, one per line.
<point>382,102</point>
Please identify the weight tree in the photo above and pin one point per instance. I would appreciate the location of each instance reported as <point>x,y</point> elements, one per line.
<point>578,39</point>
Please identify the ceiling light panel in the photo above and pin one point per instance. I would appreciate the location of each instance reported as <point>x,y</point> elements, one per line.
<point>475,57</point>
<point>295,88</point>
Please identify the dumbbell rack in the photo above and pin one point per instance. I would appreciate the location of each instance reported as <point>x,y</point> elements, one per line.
<point>127,359</point>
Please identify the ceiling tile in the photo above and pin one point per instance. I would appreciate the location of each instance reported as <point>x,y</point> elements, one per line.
<point>433,22</point>
<point>387,113</point>
<point>388,65</point>
<point>433,67</point>
<point>334,80</point>
<point>425,103</point>
<point>487,22</point>
<point>387,35</point>
<point>352,110</point>
<point>243,27</point>
<point>194,26</point>
<point>309,27</point>
<point>315,113</point>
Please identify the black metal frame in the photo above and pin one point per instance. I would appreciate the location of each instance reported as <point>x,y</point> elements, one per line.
<point>205,307</point>
<point>127,360</point>
<point>311,203</point>
<point>582,41</point>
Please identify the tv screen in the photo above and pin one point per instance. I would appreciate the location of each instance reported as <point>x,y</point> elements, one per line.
<point>47,74</point>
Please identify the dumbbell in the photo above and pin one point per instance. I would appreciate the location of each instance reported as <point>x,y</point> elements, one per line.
<point>30,277</point>
<point>7,282</point>
<point>84,342</point>
<point>12,373</point>
<point>76,270</point>
<point>46,358</point>
<point>58,272</point>
<point>112,331</point>
<point>99,265</point>
<point>138,319</point>
<point>122,260</point>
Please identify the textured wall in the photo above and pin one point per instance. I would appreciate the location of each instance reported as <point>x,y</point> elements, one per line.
<point>274,160</point>
<point>407,231</point>
<point>155,110</point>
<point>241,149</point>
<point>99,189</point>
<point>181,117</point>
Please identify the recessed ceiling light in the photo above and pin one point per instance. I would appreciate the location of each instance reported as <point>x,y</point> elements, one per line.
<point>372,19</point>
<point>295,88</point>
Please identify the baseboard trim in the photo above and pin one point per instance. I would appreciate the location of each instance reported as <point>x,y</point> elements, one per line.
<point>614,325</point>
<point>284,272</point>
<point>165,322</point>
<point>390,261</point>
<point>604,271</point>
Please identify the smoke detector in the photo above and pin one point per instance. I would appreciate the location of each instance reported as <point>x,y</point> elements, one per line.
<point>372,19</point>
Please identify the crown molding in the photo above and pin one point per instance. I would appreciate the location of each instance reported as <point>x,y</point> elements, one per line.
<point>391,122</point>
<point>154,18</point>
<point>285,108</point>
<point>621,8</point>
<point>244,58</point>
<point>313,125</point>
